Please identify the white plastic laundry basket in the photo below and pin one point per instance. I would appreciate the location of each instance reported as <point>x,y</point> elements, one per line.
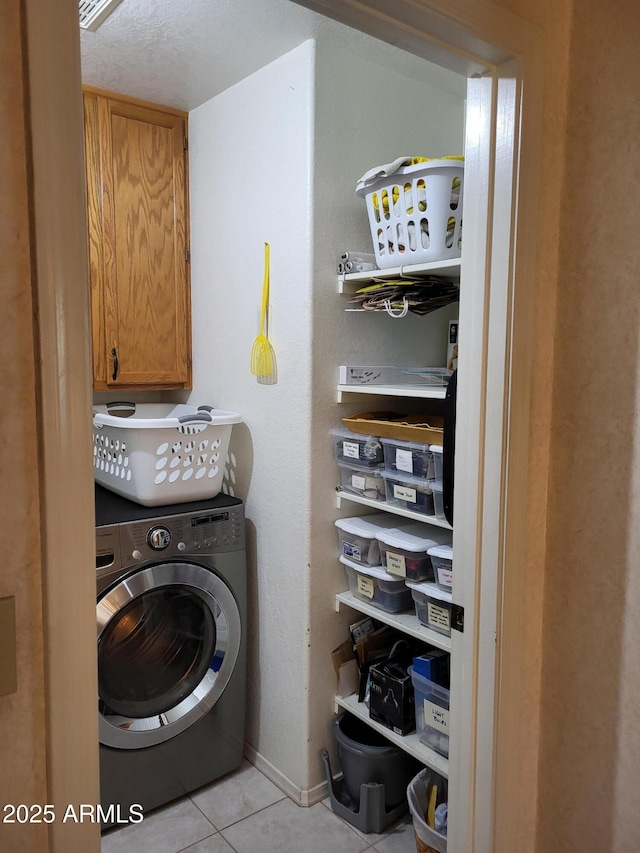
<point>415,214</point>
<point>160,453</point>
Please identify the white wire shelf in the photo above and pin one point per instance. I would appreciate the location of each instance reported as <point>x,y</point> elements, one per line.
<point>428,392</point>
<point>348,282</point>
<point>409,743</point>
<point>383,506</point>
<point>408,623</point>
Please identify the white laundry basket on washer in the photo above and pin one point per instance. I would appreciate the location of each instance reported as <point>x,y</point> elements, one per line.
<point>161,453</point>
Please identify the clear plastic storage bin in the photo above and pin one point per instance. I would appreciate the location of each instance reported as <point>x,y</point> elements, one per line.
<point>161,453</point>
<point>355,449</point>
<point>409,492</point>
<point>433,606</point>
<point>436,451</point>
<point>368,483</point>
<point>357,537</point>
<point>438,499</point>
<point>432,713</point>
<point>442,561</point>
<point>405,552</point>
<point>408,457</point>
<point>373,584</point>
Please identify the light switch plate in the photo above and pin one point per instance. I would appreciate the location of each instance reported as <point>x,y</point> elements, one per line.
<point>8,664</point>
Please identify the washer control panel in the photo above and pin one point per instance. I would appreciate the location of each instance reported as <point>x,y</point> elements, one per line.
<point>217,532</point>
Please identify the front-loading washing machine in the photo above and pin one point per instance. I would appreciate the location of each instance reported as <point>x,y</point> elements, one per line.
<point>171,633</point>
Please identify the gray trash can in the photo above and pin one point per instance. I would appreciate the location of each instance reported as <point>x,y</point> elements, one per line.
<point>367,756</point>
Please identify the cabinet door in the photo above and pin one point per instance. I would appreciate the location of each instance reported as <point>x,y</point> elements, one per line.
<point>137,207</point>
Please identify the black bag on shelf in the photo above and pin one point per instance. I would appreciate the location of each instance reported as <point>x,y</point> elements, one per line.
<point>391,697</point>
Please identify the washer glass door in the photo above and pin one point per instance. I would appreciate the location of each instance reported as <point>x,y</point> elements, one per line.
<point>168,639</point>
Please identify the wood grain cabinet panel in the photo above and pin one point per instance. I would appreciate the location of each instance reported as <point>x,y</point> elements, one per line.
<point>138,243</point>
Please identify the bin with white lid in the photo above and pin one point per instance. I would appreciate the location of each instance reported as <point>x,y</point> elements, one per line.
<point>405,551</point>
<point>357,536</point>
<point>377,587</point>
<point>442,561</point>
<point>433,606</point>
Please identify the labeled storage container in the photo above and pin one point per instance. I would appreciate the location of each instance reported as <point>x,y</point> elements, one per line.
<point>366,482</point>
<point>438,499</point>
<point>436,450</point>
<point>409,492</point>
<point>354,449</point>
<point>432,713</point>
<point>415,214</point>
<point>405,552</point>
<point>408,457</point>
<point>433,606</point>
<point>161,453</point>
<point>379,588</point>
<point>357,537</point>
<point>442,561</point>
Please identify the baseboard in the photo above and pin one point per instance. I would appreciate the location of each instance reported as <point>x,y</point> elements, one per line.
<point>299,795</point>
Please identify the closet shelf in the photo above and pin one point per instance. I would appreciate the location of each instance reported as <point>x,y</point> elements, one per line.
<point>349,282</point>
<point>428,392</point>
<point>410,743</point>
<point>408,623</point>
<point>383,506</point>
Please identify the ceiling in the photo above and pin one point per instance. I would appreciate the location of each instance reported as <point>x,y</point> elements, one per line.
<point>185,52</point>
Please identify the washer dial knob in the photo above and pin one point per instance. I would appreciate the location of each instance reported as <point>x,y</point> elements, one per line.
<point>158,538</point>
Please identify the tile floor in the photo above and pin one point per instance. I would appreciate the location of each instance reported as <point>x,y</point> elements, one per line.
<point>246,813</point>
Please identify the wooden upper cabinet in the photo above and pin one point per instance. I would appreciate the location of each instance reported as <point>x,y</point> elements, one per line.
<point>136,157</point>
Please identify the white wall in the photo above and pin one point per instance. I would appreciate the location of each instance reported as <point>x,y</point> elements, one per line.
<point>277,157</point>
<point>373,104</point>
<point>250,167</point>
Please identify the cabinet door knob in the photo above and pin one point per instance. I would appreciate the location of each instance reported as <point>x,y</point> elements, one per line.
<point>114,354</point>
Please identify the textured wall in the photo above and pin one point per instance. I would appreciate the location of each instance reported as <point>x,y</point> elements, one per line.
<point>591,681</point>
<point>250,173</point>
<point>22,714</point>
<point>255,176</point>
<point>366,113</point>
<point>517,781</point>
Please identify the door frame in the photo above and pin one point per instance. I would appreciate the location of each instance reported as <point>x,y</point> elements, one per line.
<point>58,241</point>
<point>496,682</point>
<point>468,36</point>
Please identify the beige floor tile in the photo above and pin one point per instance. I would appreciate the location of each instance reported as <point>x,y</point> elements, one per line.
<point>213,844</point>
<point>236,796</point>
<point>165,830</point>
<point>398,838</point>
<point>287,828</point>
